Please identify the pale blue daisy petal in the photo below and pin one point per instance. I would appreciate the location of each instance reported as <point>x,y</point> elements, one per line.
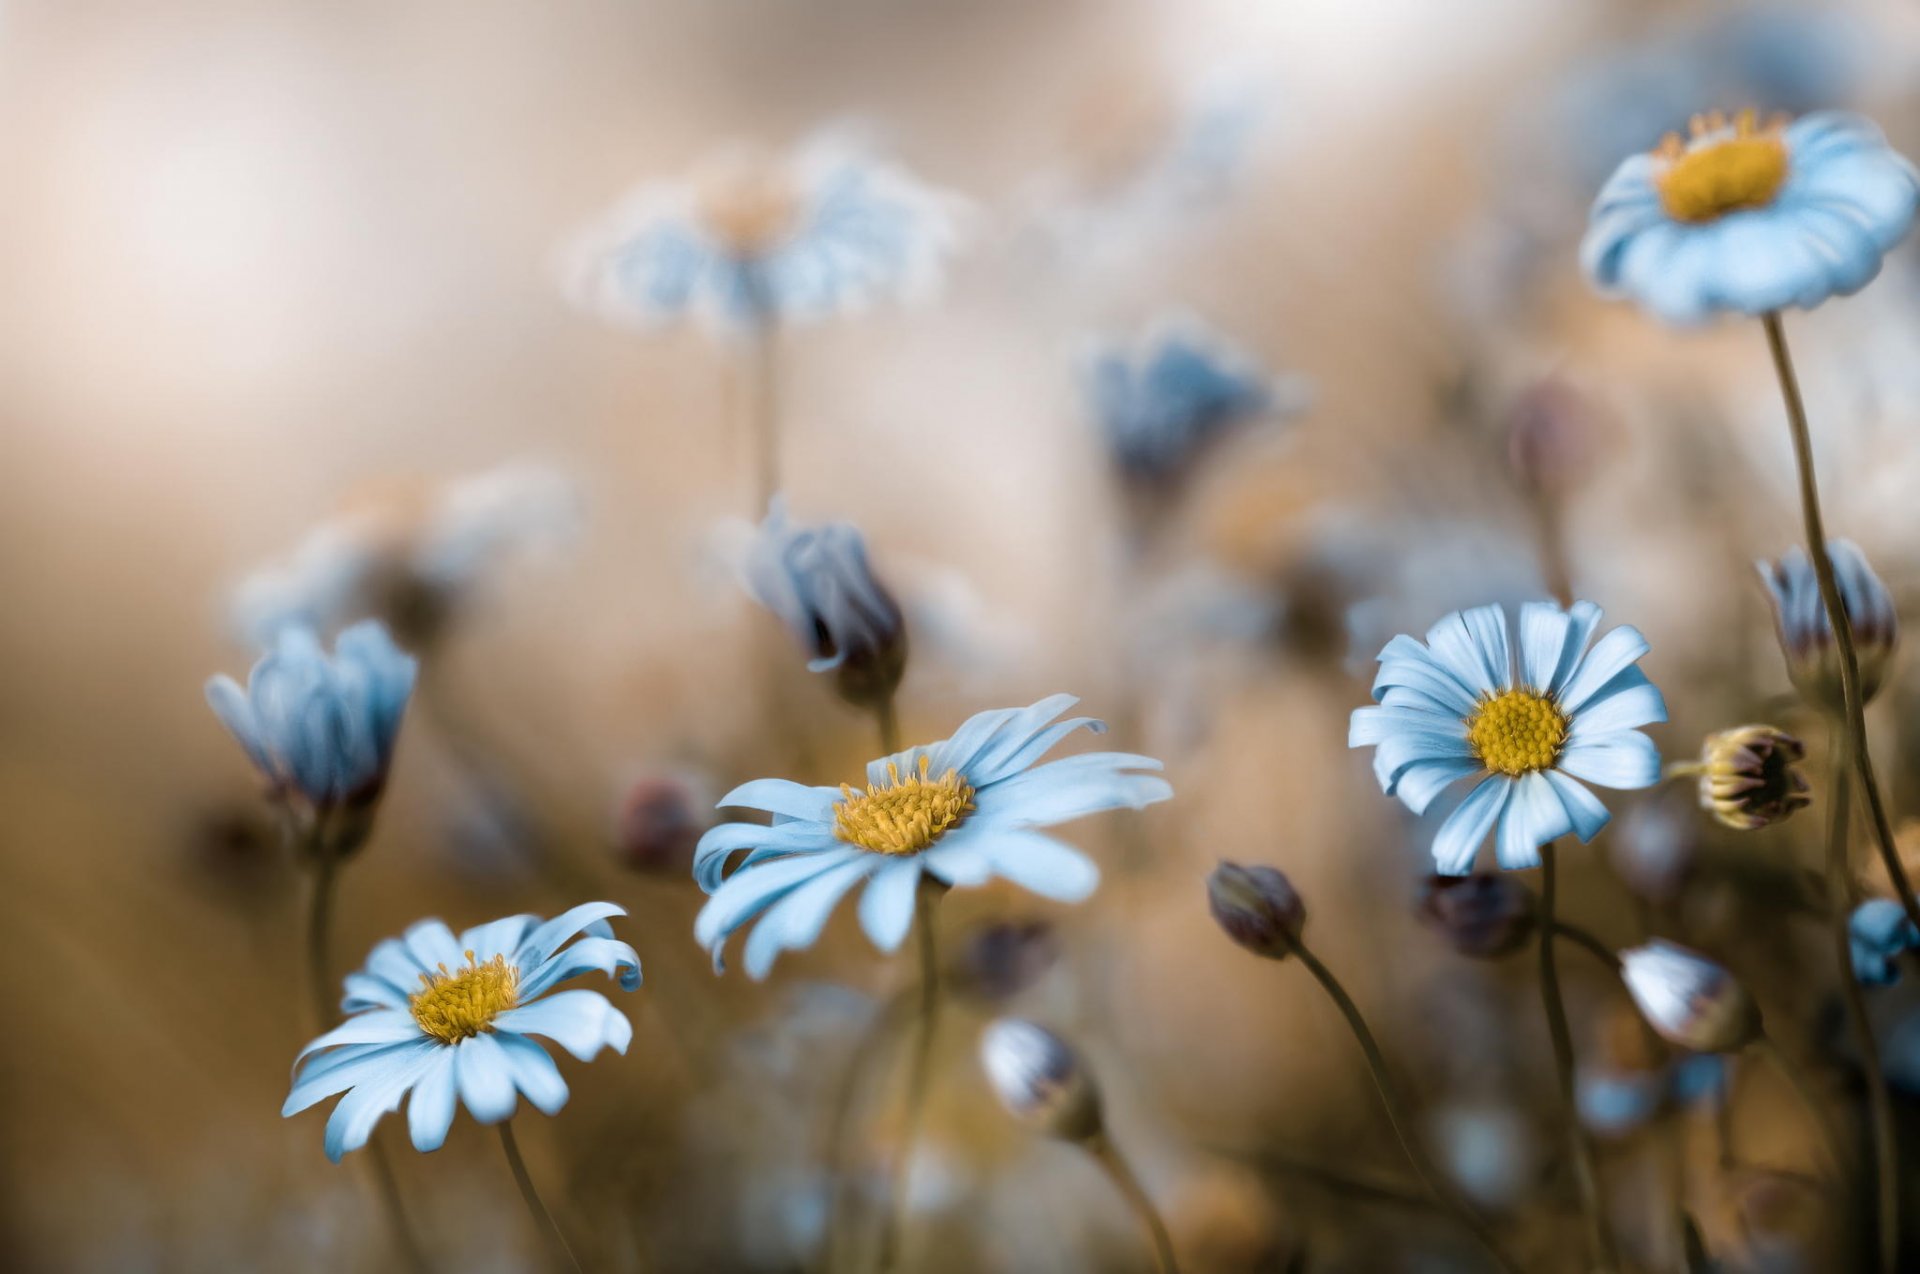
<point>430,943</point>
<point>340,1070</point>
<point>364,991</point>
<point>1625,703</point>
<point>886,905</point>
<point>229,703</point>
<point>746,893</point>
<point>795,921</point>
<point>1582,619</point>
<point>1002,767</point>
<point>580,1021</point>
<point>1488,627</point>
<point>353,1120</point>
<point>483,1078</point>
<point>994,758</point>
<point>1420,783</point>
<point>780,796</point>
<point>1435,686</point>
<point>382,1026</point>
<point>1534,816</point>
<point>1612,653</point>
<point>430,1109</point>
<point>1458,841</point>
<point>1625,760</point>
<point>1071,788</point>
<point>1043,865</point>
<point>718,844</point>
<point>1583,808</point>
<point>588,917</point>
<point>1543,640</point>
<point>959,859</point>
<point>589,955</point>
<point>533,1072</point>
<point>1453,645</point>
<point>496,937</point>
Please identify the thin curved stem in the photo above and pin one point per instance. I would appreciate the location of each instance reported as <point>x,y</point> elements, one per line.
<point>1587,941</point>
<point>1879,1100</point>
<point>1121,1173</point>
<point>562,1255</point>
<point>918,1073</point>
<point>840,1121</point>
<point>761,369</point>
<point>1850,692</point>
<point>1804,1093</point>
<point>1586,1175</point>
<point>889,723</point>
<point>1435,1183</point>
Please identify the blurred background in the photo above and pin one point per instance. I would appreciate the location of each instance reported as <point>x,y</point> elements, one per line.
<point>276,266</point>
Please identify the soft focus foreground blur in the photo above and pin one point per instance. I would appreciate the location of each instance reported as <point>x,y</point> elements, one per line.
<point>272,265</point>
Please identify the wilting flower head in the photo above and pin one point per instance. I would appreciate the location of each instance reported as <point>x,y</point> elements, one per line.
<point>1524,719</point>
<point>752,240</point>
<point>321,727</point>
<point>1750,776</point>
<point>1001,958</point>
<point>960,812</point>
<point>1179,387</point>
<point>1040,1079</point>
<point>1750,216</point>
<point>1257,907</point>
<point>1688,999</point>
<point>439,1017</point>
<point>1483,916</point>
<point>660,820</point>
<point>816,579</point>
<point>1800,618</point>
<point>410,553</point>
<point>1880,932</point>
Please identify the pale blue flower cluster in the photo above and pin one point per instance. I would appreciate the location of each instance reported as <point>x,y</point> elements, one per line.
<point>320,727</point>
<point>1879,933</point>
<point>383,1052</point>
<point>1800,619</point>
<point>798,869</point>
<point>818,582</point>
<point>1556,710</point>
<point>1161,400</point>
<point>1845,199</point>
<point>830,230</point>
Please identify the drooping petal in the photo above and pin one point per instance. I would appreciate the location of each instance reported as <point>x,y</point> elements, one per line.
<point>381,1026</point>
<point>886,906</point>
<point>794,922</point>
<point>582,1022</point>
<point>781,796</point>
<point>747,893</point>
<point>430,1110</point>
<point>1458,841</point>
<point>1534,816</point>
<point>589,917</point>
<point>1421,782</point>
<point>1071,788</point>
<point>533,1072</point>
<point>1043,865</point>
<point>340,1070</point>
<point>1583,808</point>
<point>588,955</point>
<point>379,1094</point>
<point>483,1077</point>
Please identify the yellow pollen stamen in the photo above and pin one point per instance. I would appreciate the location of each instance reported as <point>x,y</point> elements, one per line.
<point>1726,167</point>
<point>902,815</point>
<point>462,1004</point>
<point>1517,732</point>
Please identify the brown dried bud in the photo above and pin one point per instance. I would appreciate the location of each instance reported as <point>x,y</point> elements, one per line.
<point>1000,959</point>
<point>1257,907</point>
<point>660,820</point>
<point>1750,776</point>
<point>1483,917</point>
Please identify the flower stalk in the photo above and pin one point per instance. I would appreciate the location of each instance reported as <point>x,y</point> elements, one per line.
<point>562,1255</point>
<point>1120,1172</point>
<point>919,1069</point>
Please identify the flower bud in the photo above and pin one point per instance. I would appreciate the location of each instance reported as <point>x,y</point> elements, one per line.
<point>1002,958</point>
<point>1257,907</point>
<point>1688,999</point>
<point>1553,437</point>
<point>818,582</point>
<point>1040,1079</point>
<point>1654,848</point>
<point>660,820</point>
<point>1800,619</point>
<point>1483,917</point>
<point>1750,776</point>
<point>1879,933</point>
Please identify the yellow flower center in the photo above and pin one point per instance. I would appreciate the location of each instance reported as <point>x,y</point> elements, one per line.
<point>902,815</point>
<point>1517,732</point>
<point>748,208</point>
<point>1724,169</point>
<point>462,1004</point>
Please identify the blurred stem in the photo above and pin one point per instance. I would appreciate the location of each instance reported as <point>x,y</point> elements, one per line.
<point>1434,1182</point>
<point>924,899</point>
<point>761,368</point>
<point>1588,941</point>
<point>1120,1172</point>
<point>1549,525</point>
<point>840,1123</point>
<point>562,1255</point>
<point>1803,1092</point>
<point>325,866</point>
<point>889,722</point>
<point>1880,1102</point>
<point>1586,1176</point>
<point>1856,715</point>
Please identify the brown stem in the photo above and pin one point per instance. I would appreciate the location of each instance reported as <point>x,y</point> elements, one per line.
<point>1586,1176</point>
<point>919,1070</point>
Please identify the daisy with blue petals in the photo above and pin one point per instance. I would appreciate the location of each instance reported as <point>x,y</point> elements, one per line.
<point>957,812</point>
<point>1750,218</point>
<point>1526,714</point>
<point>451,1020</point>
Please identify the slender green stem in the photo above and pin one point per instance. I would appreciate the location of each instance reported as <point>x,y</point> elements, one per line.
<point>1121,1173</point>
<point>1879,1101</point>
<point>840,1122</point>
<point>1586,1175</point>
<point>918,1073</point>
<point>1588,941</point>
<point>762,365</point>
<point>562,1255</point>
<point>1850,692</point>
<point>1796,1077</point>
<point>1436,1183</point>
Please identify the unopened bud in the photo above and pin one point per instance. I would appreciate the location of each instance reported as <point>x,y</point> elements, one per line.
<point>1688,999</point>
<point>1002,958</point>
<point>659,821</point>
<point>1553,437</point>
<point>1257,907</point>
<point>1800,619</point>
<point>1040,1079</point>
<point>1483,917</point>
<point>1879,933</point>
<point>1750,776</point>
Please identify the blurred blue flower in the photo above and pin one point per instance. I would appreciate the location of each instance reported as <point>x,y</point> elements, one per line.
<point>445,1018</point>
<point>1806,638</point>
<point>320,728</point>
<point>817,581</point>
<point>1749,218</point>
<point>1178,387</point>
<point>960,811</point>
<point>1524,723</point>
<point>1879,933</point>
<point>751,242</point>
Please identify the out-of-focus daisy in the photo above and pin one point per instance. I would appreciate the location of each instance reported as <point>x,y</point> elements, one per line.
<point>752,241</point>
<point>1750,216</point>
<point>1688,999</point>
<point>410,552</point>
<point>1880,933</point>
<point>1162,399</point>
<point>960,811</point>
<point>320,727</point>
<point>1524,718</point>
<point>1806,638</point>
<point>451,1020</point>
